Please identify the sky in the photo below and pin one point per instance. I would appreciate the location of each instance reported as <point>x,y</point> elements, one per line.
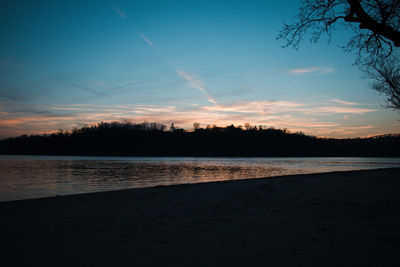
<point>67,64</point>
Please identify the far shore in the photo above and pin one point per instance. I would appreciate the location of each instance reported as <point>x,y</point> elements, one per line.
<point>329,219</point>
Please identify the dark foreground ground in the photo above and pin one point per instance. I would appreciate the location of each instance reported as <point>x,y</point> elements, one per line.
<point>333,219</point>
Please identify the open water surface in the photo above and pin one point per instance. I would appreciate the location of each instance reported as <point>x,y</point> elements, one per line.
<point>23,177</point>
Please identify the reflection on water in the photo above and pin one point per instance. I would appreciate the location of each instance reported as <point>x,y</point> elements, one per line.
<point>38,176</point>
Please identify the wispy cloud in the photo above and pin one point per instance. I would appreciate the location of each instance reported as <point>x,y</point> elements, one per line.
<point>347,131</point>
<point>327,70</point>
<point>153,109</point>
<point>116,109</point>
<point>14,94</point>
<point>119,11</point>
<point>344,102</point>
<point>342,110</point>
<point>147,40</point>
<point>323,118</point>
<point>259,107</point>
<point>27,119</point>
<point>274,107</point>
<point>196,83</point>
<point>83,88</point>
<point>319,70</point>
<point>303,70</point>
<point>81,109</point>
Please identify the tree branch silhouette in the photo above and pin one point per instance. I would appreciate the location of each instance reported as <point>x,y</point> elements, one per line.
<point>376,36</point>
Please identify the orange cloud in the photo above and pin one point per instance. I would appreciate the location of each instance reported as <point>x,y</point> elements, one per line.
<point>311,118</point>
<point>30,119</point>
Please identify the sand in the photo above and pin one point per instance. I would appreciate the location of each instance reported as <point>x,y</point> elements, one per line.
<point>332,219</point>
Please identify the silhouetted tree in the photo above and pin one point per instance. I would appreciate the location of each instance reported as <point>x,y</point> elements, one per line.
<point>376,39</point>
<point>196,126</point>
<point>386,76</point>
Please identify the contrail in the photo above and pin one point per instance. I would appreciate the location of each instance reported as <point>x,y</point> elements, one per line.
<point>196,83</point>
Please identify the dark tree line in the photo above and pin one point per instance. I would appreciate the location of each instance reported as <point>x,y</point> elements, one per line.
<point>153,139</point>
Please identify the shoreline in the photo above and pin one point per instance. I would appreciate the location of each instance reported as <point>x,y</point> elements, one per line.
<point>325,219</point>
<point>186,184</point>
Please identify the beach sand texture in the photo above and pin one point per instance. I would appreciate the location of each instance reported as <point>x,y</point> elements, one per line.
<point>332,219</point>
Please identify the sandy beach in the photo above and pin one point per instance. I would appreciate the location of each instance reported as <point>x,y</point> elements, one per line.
<point>332,219</point>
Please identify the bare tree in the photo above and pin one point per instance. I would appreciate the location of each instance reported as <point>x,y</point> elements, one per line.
<point>386,76</point>
<point>376,38</point>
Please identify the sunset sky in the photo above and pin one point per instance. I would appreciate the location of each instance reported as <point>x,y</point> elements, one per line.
<point>66,64</point>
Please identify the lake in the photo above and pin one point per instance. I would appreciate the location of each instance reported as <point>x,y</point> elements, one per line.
<point>23,177</point>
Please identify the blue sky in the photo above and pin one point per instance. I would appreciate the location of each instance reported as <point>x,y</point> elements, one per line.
<point>66,64</point>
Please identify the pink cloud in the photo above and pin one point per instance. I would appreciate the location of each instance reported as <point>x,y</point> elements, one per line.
<point>344,102</point>
<point>346,110</point>
<point>320,70</point>
<point>310,118</point>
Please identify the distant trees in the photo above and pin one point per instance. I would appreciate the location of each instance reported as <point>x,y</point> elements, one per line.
<point>376,36</point>
<point>152,139</point>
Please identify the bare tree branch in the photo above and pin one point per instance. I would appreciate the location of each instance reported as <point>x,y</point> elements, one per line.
<point>376,39</point>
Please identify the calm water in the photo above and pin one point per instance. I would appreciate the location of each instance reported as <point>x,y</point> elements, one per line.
<point>24,177</point>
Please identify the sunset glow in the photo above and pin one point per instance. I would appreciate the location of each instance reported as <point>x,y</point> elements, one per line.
<point>68,64</point>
